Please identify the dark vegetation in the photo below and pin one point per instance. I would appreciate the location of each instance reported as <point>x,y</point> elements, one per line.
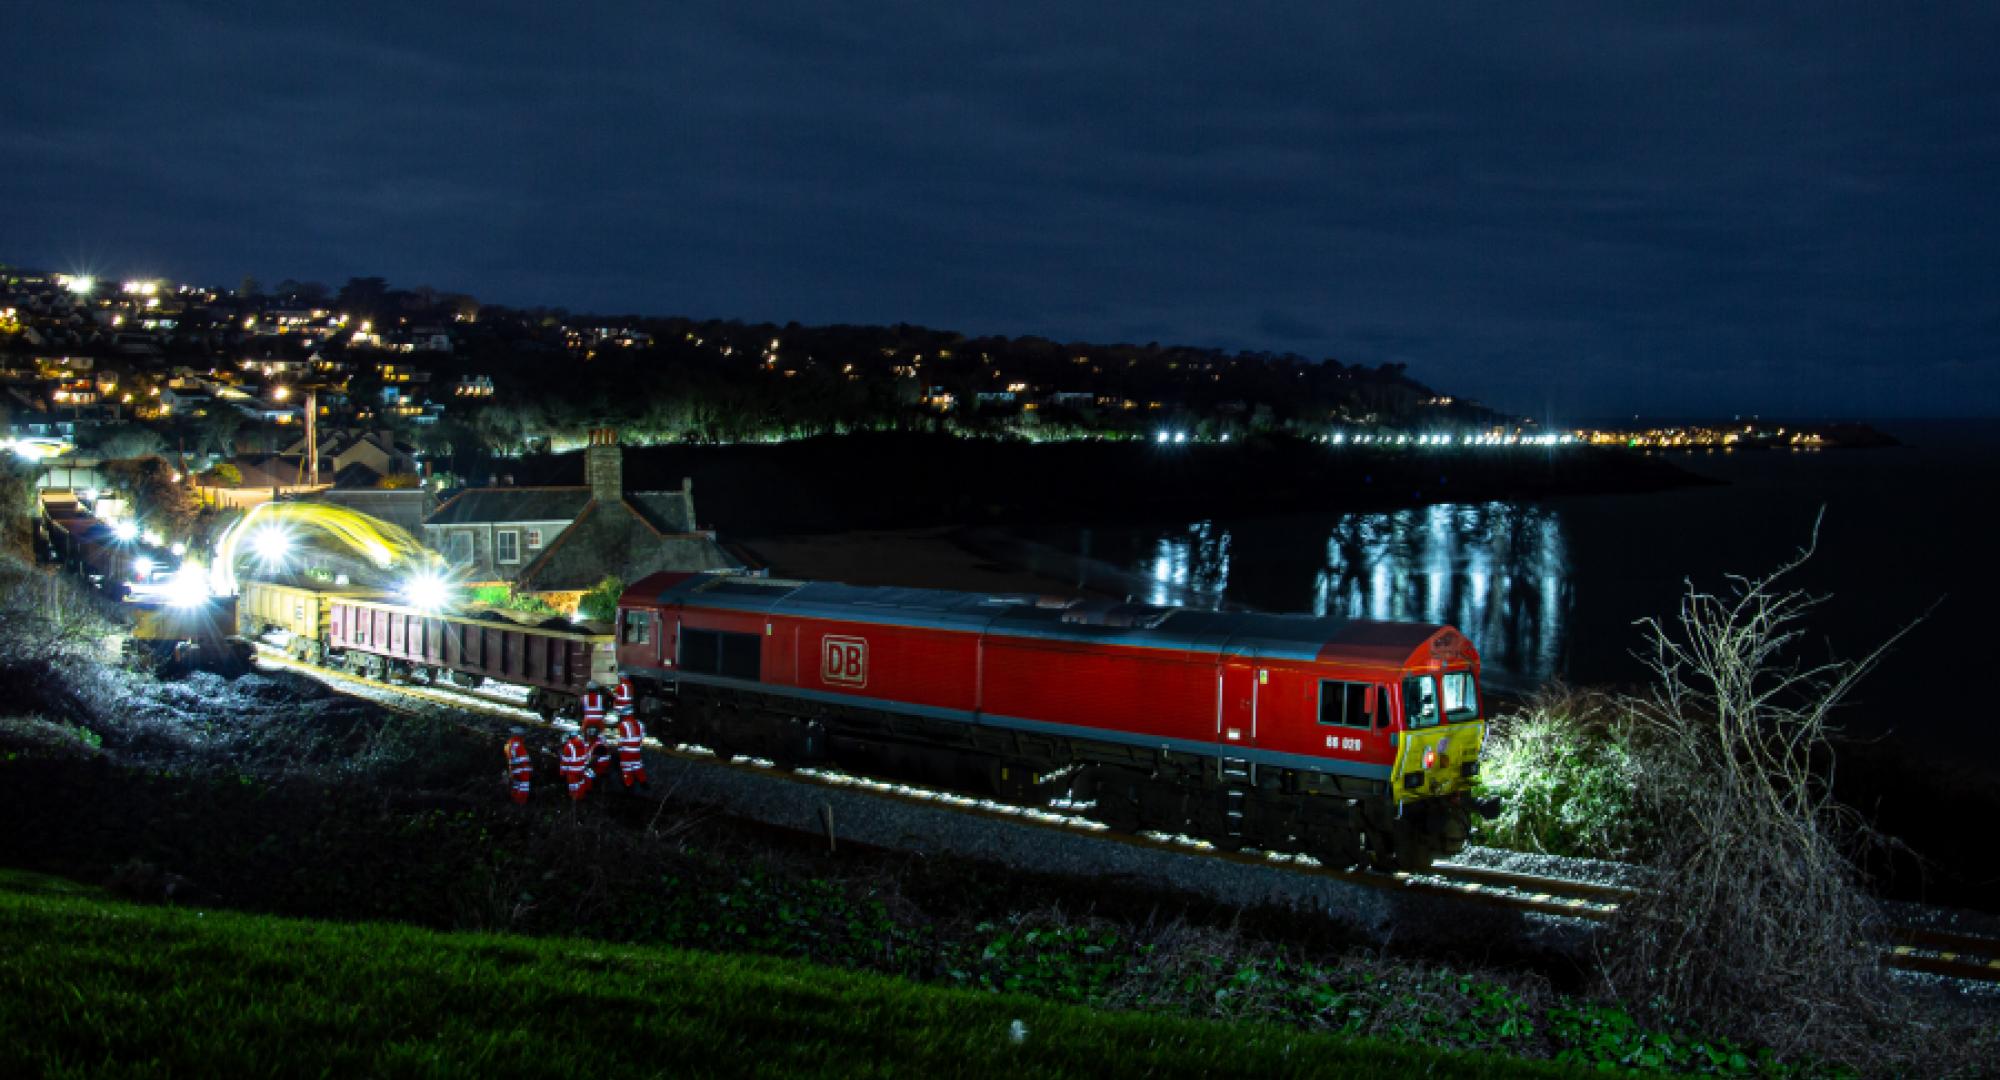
<point>269,794</point>
<point>288,801</point>
<point>90,987</point>
<point>1716,778</point>
<point>907,480</point>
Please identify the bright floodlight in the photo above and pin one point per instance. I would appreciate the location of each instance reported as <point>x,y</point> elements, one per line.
<point>81,284</point>
<point>179,549</point>
<point>189,588</point>
<point>271,544</point>
<point>125,531</point>
<point>142,568</point>
<point>427,591</point>
<point>1162,437</point>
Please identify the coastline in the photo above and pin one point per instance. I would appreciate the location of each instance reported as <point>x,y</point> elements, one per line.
<point>895,482</point>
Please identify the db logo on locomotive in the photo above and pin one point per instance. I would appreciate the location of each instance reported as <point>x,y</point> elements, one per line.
<point>843,660</point>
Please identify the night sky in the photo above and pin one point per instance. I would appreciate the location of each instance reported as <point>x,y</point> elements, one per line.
<point>1569,210</point>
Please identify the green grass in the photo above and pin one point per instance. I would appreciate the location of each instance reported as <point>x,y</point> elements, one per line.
<point>94,986</point>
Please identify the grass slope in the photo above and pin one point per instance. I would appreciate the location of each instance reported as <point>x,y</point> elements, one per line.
<point>97,987</point>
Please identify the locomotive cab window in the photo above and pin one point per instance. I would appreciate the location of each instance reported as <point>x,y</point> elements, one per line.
<point>1347,704</point>
<point>1461,697</point>
<point>1420,702</point>
<point>638,627</point>
<point>717,652</point>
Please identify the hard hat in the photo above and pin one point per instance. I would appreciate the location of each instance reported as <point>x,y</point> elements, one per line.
<point>592,685</point>
<point>517,730</point>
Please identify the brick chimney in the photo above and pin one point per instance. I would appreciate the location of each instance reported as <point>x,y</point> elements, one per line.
<point>604,466</point>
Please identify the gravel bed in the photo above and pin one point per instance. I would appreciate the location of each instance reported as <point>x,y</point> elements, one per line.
<point>1595,871</point>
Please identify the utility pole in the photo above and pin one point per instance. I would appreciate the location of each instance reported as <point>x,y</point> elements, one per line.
<point>312,437</point>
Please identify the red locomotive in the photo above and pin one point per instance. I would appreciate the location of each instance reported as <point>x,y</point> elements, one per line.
<point>1354,742</point>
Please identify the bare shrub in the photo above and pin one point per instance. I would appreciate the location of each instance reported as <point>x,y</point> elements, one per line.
<point>1759,925</point>
<point>47,618</point>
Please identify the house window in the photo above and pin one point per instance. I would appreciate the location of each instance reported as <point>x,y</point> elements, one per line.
<point>507,545</point>
<point>534,539</point>
<point>461,547</point>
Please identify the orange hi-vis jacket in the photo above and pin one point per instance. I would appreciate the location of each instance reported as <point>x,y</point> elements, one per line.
<point>631,750</point>
<point>520,767</point>
<point>621,698</point>
<point>576,766</point>
<point>593,708</point>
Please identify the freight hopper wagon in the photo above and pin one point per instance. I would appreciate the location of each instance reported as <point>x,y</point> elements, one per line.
<point>374,635</point>
<point>1354,742</point>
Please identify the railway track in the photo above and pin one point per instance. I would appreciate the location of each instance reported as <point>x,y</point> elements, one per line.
<point>1915,949</point>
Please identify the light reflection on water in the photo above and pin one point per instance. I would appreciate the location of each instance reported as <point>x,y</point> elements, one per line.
<point>1191,569</point>
<point>1500,572</point>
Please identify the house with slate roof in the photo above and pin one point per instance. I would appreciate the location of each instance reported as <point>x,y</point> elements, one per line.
<point>567,539</point>
<point>358,458</point>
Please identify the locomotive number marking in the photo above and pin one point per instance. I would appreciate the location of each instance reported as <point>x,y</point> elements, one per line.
<point>1335,742</point>
<point>843,660</point>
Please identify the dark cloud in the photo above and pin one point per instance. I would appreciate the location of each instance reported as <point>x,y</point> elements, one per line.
<point>1557,207</point>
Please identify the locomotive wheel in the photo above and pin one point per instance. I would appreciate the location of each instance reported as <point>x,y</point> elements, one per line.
<point>1381,850</point>
<point>1414,856</point>
<point>1117,802</point>
<point>1341,851</point>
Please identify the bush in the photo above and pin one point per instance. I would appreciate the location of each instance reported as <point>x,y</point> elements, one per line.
<point>1563,767</point>
<point>600,604</point>
<point>504,596</point>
